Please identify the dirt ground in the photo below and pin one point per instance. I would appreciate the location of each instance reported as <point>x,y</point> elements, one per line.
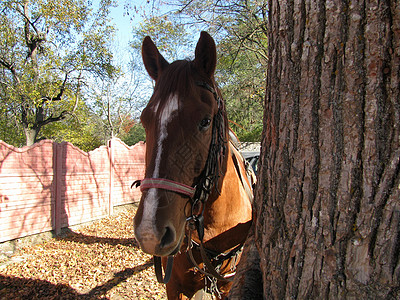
<point>100,260</point>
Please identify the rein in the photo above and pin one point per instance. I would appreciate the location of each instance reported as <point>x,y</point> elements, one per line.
<point>199,193</point>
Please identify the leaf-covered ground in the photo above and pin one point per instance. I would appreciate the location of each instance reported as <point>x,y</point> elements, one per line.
<point>97,261</point>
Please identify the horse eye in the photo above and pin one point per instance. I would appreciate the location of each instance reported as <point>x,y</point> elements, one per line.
<point>205,123</point>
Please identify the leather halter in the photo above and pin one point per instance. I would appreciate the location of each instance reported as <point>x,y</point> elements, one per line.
<point>210,173</point>
<point>166,184</point>
<point>208,179</point>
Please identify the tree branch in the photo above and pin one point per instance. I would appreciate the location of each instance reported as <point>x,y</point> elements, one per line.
<point>52,119</point>
<point>62,89</point>
<point>77,92</point>
<point>185,6</point>
<point>32,40</point>
<point>59,95</point>
<point>11,68</point>
<point>24,14</point>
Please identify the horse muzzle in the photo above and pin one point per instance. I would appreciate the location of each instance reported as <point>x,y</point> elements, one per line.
<point>156,242</point>
<point>160,219</point>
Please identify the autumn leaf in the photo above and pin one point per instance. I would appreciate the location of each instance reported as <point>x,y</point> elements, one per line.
<point>100,260</point>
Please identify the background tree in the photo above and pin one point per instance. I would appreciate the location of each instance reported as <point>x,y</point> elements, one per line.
<point>327,200</point>
<point>164,31</point>
<point>135,133</point>
<point>242,81</point>
<point>239,28</point>
<point>115,102</point>
<point>49,52</point>
<point>84,130</point>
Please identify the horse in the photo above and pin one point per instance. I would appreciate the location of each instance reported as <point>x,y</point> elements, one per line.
<point>195,210</point>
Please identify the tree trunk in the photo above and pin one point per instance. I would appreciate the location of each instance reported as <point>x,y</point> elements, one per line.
<point>328,196</point>
<point>31,136</point>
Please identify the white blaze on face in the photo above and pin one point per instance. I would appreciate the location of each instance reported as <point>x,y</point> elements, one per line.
<point>165,118</point>
<point>151,201</point>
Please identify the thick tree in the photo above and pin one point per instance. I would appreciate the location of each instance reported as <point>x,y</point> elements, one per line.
<point>328,195</point>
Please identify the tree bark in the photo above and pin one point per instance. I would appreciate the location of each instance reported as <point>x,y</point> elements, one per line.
<point>328,194</point>
<point>30,135</point>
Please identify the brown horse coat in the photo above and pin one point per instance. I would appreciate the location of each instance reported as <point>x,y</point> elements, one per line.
<point>179,121</point>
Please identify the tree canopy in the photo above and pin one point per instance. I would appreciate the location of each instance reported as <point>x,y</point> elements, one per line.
<point>60,77</point>
<point>49,53</point>
<point>240,30</point>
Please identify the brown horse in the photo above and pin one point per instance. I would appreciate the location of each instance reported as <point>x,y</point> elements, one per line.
<point>195,200</point>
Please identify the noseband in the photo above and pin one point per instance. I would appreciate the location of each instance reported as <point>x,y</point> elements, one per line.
<point>165,184</point>
<point>200,192</point>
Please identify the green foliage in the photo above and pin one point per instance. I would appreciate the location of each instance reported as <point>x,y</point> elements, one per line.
<point>240,30</point>
<point>84,130</point>
<point>135,135</point>
<point>170,37</point>
<point>50,52</point>
<point>10,134</point>
<point>242,74</point>
<point>83,135</point>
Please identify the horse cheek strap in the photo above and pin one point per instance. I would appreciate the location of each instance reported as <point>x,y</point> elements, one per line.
<point>158,269</point>
<point>200,226</point>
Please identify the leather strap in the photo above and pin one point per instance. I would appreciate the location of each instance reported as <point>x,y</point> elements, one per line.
<point>158,269</point>
<point>211,268</point>
<point>166,184</point>
<point>211,271</point>
<point>239,160</point>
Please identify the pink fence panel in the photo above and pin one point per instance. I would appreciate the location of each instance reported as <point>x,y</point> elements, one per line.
<point>85,183</point>
<point>129,166</point>
<point>26,189</point>
<point>49,186</point>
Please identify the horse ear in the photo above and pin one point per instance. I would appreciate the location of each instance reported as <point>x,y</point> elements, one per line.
<point>206,54</point>
<point>152,59</point>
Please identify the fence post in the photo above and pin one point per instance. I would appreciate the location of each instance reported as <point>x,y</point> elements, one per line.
<point>111,187</point>
<point>58,186</point>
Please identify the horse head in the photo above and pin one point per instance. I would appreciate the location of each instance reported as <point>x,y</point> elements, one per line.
<point>179,121</point>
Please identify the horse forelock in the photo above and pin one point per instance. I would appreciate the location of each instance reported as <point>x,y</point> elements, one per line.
<point>180,78</point>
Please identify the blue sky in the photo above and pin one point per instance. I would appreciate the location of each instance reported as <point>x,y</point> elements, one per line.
<point>125,22</point>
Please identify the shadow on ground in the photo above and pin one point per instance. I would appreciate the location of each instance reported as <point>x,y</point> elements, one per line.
<point>23,288</point>
<point>73,236</point>
<point>12,287</point>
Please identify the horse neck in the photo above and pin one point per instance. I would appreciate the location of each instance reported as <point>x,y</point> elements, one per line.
<point>227,216</point>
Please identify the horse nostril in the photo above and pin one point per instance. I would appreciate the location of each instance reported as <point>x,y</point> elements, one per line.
<point>168,237</point>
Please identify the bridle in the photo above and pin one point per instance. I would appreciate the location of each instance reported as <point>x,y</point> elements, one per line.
<point>199,193</point>
<point>211,172</point>
<point>166,184</point>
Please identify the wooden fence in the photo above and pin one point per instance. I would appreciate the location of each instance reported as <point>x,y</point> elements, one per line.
<point>50,185</point>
